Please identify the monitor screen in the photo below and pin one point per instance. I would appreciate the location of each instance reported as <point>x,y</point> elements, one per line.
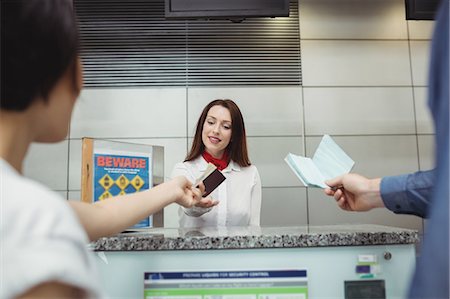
<point>279,284</point>
<point>216,9</point>
<point>365,289</point>
<point>421,9</point>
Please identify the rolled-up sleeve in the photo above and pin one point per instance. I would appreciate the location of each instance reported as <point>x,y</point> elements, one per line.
<point>409,193</point>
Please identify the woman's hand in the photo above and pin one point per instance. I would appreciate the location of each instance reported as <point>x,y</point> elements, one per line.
<point>207,202</point>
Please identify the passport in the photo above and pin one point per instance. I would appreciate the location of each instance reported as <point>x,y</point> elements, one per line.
<point>329,161</point>
<point>211,178</point>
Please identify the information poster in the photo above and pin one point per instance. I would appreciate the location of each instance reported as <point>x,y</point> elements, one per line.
<point>285,284</point>
<point>116,174</point>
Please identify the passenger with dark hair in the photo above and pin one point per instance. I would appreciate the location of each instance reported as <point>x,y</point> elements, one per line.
<point>43,238</point>
<point>220,139</point>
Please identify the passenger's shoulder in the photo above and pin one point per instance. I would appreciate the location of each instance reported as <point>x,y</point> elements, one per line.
<point>38,209</point>
<point>21,190</point>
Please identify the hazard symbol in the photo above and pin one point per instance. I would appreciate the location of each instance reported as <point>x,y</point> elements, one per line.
<point>122,182</point>
<point>106,182</point>
<point>105,195</point>
<point>137,182</point>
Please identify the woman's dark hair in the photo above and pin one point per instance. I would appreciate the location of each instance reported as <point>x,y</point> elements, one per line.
<point>237,147</point>
<point>39,42</point>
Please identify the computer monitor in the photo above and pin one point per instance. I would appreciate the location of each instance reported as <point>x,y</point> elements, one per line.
<point>220,9</point>
<point>421,9</point>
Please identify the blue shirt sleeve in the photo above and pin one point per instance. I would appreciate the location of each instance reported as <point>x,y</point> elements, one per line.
<point>409,193</point>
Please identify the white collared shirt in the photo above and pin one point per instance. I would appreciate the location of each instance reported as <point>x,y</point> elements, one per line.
<point>239,196</point>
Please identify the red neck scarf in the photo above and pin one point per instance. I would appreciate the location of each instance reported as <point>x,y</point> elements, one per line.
<point>221,163</point>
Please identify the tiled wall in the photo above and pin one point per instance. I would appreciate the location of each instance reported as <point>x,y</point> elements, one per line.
<point>364,83</point>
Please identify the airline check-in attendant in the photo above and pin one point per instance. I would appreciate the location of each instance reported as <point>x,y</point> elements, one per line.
<point>220,139</point>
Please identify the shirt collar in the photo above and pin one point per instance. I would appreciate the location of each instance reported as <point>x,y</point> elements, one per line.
<point>232,166</point>
<point>202,164</point>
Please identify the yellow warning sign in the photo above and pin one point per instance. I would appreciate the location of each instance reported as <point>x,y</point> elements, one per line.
<point>106,182</point>
<point>122,182</point>
<point>105,195</point>
<point>137,182</point>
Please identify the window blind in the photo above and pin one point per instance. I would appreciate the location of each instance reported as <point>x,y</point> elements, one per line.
<point>130,43</point>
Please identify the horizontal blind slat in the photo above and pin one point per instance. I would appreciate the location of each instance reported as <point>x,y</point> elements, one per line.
<point>130,43</point>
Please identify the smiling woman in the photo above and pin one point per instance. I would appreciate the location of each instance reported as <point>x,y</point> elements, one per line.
<point>220,139</point>
<point>216,134</point>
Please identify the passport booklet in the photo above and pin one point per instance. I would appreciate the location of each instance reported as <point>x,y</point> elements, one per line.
<point>329,161</point>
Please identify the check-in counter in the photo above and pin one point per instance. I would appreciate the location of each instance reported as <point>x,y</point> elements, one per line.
<point>342,261</point>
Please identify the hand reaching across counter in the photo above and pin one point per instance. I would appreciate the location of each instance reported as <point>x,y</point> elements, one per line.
<point>115,214</point>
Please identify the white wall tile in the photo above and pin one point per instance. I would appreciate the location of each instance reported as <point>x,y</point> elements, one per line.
<point>47,163</point>
<point>174,152</point>
<point>284,207</point>
<point>269,111</point>
<point>323,210</point>
<point>420,29</point>
<point>420,51</point>
<point>426,151</point>
<point>375,156</point>
<point>355,63</point>
<point>268,153</point>
<point>63,194</point>
<point>349,19</point>
<point>365,110</point>
<point>74,195</point>
<point>118,113</point>
<point>423,115</point>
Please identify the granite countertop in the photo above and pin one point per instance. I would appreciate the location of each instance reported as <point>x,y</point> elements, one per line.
<point>213,238</point>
